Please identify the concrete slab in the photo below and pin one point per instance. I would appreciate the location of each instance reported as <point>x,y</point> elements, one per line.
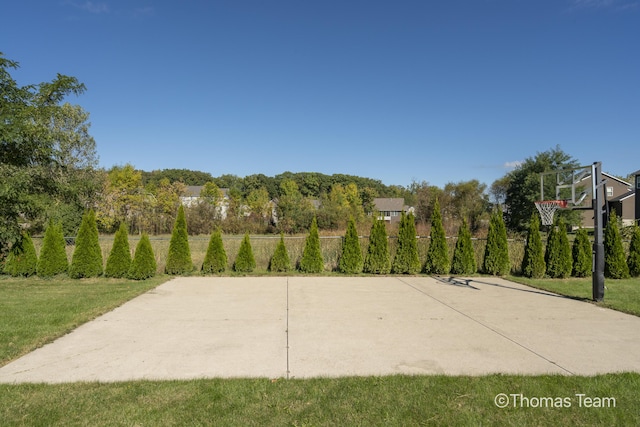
<point>335,326</point>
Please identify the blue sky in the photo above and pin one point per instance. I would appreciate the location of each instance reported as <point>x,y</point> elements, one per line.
<point>440,91</point>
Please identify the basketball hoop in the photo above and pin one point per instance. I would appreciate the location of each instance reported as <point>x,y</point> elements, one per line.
<point>548,208</point>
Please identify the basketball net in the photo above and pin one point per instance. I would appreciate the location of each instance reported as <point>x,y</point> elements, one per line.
<point>548,208</point>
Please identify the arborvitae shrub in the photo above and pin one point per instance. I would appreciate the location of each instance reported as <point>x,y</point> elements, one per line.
<point>119,259</point>
<point>87,256</point>
<point>558,255</point>
<point>245,262</point>
<point>633,262</point>
<point>406,260</point>
<point>496,254</point>
<point>179,257</point>
<point>582,254</point>
<point>533,264</point>
<point>351,259</point>
<point>464,260</point>
<point>215,260</point>
<point>144,263</point>
<point>53,256</point>
<point>437,261</point>
<point>615,264</point>
<point>280,261</point>
<point>377,260</point>
<point>22,261</point>
<point>312,261</point>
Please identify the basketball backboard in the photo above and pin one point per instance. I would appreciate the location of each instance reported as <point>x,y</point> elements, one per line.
<point>573,185</point>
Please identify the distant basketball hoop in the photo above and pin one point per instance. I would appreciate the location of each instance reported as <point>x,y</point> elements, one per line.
<point>548,208</point>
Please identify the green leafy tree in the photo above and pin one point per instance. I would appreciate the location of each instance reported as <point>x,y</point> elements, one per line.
<point>179,257</point>
<point>22,260</point>
<point>53,256</point>
<point>437,261</point>
<point>215,260</point>
<point>496,254</point>
<point>119,259</point>
<point>280,261</point>
<point>558,254</point>
<point>312,261</point>
<point>464,260</point>
<point>633,262</point>
<point>36,171</point>
<point>406,260</point>
<point>523,187</point>
<point>351,259</point>
<point>582,254</point>
<point>533,264</point>
<point>615,264</point>
<point>144,263</point>
<point>245,262</point>
<point>87,256</point>
<point>377,260</point>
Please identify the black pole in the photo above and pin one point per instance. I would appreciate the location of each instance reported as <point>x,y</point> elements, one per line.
<point>598,245</point>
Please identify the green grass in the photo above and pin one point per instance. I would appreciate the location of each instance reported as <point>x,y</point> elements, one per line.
<point>36,311</point>
<point>392,400</point>
<point>621,295</point>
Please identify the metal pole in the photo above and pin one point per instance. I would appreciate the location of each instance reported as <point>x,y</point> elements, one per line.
<point>598,246</point>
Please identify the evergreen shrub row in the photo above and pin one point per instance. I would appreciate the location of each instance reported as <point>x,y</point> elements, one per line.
<point>557,260</point>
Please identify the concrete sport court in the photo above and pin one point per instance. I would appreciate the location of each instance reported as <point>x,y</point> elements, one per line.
<point>286,327</point>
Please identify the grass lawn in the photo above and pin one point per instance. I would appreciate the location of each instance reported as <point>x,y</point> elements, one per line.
<point>35,311</point>
<point>621,295</point>
<point>391,400</point>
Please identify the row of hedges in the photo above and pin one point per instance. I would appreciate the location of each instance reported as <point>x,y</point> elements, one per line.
<point>352,255</point>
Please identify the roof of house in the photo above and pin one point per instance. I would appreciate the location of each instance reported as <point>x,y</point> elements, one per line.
<point>609,176</point>
<point>624,196</point>
<point>192,191</point>
<point>389,204</point>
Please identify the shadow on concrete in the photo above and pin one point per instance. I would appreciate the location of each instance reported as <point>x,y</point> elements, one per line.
<point>466,282</point>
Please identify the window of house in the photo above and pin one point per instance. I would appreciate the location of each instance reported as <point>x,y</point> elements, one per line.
<point>609,191</point>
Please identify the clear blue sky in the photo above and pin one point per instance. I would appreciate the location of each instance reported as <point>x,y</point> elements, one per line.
<point>440,91</point>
